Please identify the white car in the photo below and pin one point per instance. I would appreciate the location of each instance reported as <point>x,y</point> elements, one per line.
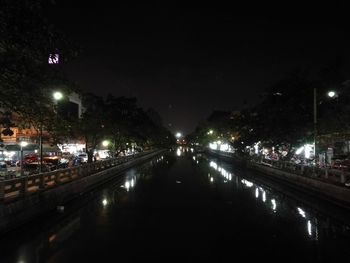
<point>83,156</point>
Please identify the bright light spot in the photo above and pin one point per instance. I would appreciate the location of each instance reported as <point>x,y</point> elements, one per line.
<point>24,144</point>
<point>178,152</point>
<point>331,94</point>
<point>192,150</point>
<point>178,135</point>
<point>300,150</point>
<point>194,158</point>
<point>264,196</point>
<point>273,201</point>
<point>57,95</point>
<point>247,183</point>
<point>105,143</point>
<point>309,228</point>
<point>308,150</point>
<point>211,179</point>
<point>132,183</point>
<point>224,147</point>
<point>197,161</point>
<point>210,132</point>
<point>256,192</point>
<point>104,202</point>
<point>213,146</point>
<point>214,165</point>
<point>127,185</point>
<point>301,212</point>
<point>53,59</point>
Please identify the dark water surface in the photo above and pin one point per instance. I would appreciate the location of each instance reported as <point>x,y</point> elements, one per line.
<point>182,207</point>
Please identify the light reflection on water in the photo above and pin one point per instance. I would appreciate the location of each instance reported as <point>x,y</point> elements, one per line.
<point>268,198</point>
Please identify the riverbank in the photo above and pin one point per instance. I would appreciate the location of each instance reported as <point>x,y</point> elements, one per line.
<point>66,185</point>
<point>302,179</point>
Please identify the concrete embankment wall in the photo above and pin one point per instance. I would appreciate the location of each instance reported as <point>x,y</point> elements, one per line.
<point>338,195</point>
<point>20,211</point>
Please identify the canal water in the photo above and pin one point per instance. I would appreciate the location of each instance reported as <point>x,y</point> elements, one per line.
<point>185,207</point>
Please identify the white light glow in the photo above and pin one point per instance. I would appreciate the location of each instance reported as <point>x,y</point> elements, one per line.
<point>105,143</point>
<point>273,201</point>
<point>247,183</point>
<point>308,150</point>
<point>53,59</point>
<point>309,228</point>
<point>224,147</point>
<point>57,95</point>
<point>331,94</point>
<point>24,144</point>
<point>213,146</point>
<point>257,193</point>
<point>105,202</point>
<point>300,150</point>
<point>301,212</point>
<point>211,179</point>
<point>178,152</point>
<point>264,196</point>
<point>127,185</point>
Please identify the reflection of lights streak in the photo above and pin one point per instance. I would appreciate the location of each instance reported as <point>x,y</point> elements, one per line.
<point>247,183</point>
<point>257,193</point>
<point>178,152</point>
<point>127,185</point>
<point>194,158</point>
<point>221,170</point>
<point>301,212</point>
<point>273,201</point>
<point>309,229</point>
<point>211,179</point>
<point>264,197</point>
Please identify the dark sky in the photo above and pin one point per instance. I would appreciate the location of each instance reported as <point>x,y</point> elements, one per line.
<point>185,60</point>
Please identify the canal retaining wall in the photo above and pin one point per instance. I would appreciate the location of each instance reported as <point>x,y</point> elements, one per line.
<point>335,193</point>
<point>30,206</point>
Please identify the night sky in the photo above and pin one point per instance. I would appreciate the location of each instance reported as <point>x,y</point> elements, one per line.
<point>185,60</point>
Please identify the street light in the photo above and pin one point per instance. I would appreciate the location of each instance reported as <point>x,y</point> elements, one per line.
<point>22,144</point>
<point>57,95</point>
<point>178,135</point>
<point>105,143</point>
<point>331,94</point>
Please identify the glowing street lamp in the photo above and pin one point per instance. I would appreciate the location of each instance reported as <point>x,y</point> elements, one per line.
<point>105,143</point>
<point>57,95</point>
<point>178,135</point>
<point>331,94</point>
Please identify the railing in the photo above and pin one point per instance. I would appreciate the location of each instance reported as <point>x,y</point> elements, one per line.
<point>334,176</point>
<point>26,185</point>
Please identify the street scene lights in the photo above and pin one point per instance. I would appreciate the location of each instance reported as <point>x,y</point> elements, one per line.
<point>22,144</point>
<point>178,135</point>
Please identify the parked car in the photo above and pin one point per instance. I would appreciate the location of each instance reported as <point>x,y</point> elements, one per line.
<point>83,157</point>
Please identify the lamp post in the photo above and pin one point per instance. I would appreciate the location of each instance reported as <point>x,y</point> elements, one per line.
<point>57,95</point>
<point>331,94</point>
<point>22,144</point>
